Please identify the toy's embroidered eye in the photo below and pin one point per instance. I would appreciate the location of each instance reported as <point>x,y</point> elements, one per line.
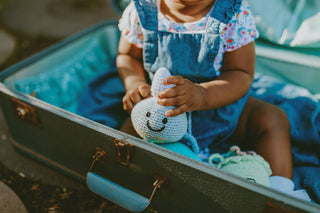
<point>148,114</point>
<point>165,120</point>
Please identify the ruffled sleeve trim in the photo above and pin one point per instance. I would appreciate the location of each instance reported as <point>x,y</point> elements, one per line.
<point>130,26</point>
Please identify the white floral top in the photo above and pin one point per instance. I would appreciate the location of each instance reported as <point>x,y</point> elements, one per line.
<point>240,31</point>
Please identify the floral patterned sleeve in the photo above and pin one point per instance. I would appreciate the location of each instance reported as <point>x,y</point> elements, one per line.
<point>241,30</point>
<point>130,27</point>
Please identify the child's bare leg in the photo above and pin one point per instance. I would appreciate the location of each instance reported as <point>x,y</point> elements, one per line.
<point>266,129</point>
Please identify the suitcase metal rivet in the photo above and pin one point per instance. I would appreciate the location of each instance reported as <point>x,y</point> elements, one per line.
<point>125,152</point>
<point>26,112</point>
<point>21,112</point>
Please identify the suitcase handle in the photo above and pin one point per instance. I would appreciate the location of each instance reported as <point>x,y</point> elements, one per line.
<point>119,194</point>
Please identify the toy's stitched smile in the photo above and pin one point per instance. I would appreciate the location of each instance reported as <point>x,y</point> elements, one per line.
<point>155,130</point>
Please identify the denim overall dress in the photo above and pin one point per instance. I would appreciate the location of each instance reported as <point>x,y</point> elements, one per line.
<point>192,56</point>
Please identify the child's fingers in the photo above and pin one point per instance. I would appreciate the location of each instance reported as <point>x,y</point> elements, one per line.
<point>135,97</point>
<point>177,111</point>
<point>176,80</point>
<point>175,101</point>
<point>144,90</point>
<point>172,92</point>
<point>127,104</point>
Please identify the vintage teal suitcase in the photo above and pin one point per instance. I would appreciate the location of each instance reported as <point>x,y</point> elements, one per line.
<point>126,170</point>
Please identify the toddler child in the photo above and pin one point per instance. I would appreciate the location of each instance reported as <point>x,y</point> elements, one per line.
<point>208,46</point>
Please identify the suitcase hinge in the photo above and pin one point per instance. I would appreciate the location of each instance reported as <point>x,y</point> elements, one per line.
<point>26,112</point>
<point>125,152</point>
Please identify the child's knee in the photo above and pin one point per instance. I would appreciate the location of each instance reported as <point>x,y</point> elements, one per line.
<point>274,119</point>
<point>264,118</point>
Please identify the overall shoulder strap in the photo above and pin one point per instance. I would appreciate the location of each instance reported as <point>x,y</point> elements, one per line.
<point>225,9</point>
<point>223,12</point>
<point>148,13</point>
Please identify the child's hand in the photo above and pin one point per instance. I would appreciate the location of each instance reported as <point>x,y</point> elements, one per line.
<point>138,91</point>
<point>186,95</point>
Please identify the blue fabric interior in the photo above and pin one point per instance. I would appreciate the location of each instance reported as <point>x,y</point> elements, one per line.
<point>62,84</point>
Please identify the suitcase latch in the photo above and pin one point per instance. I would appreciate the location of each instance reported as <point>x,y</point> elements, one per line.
<point>100,154</point>
<point>26,112</point>
<point>125,152</point>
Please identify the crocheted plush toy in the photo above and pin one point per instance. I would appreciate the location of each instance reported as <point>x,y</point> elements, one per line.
<point>149,121</point>
<point>248,165</point>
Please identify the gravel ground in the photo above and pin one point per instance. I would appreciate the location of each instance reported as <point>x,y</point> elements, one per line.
<point>39,197</point>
